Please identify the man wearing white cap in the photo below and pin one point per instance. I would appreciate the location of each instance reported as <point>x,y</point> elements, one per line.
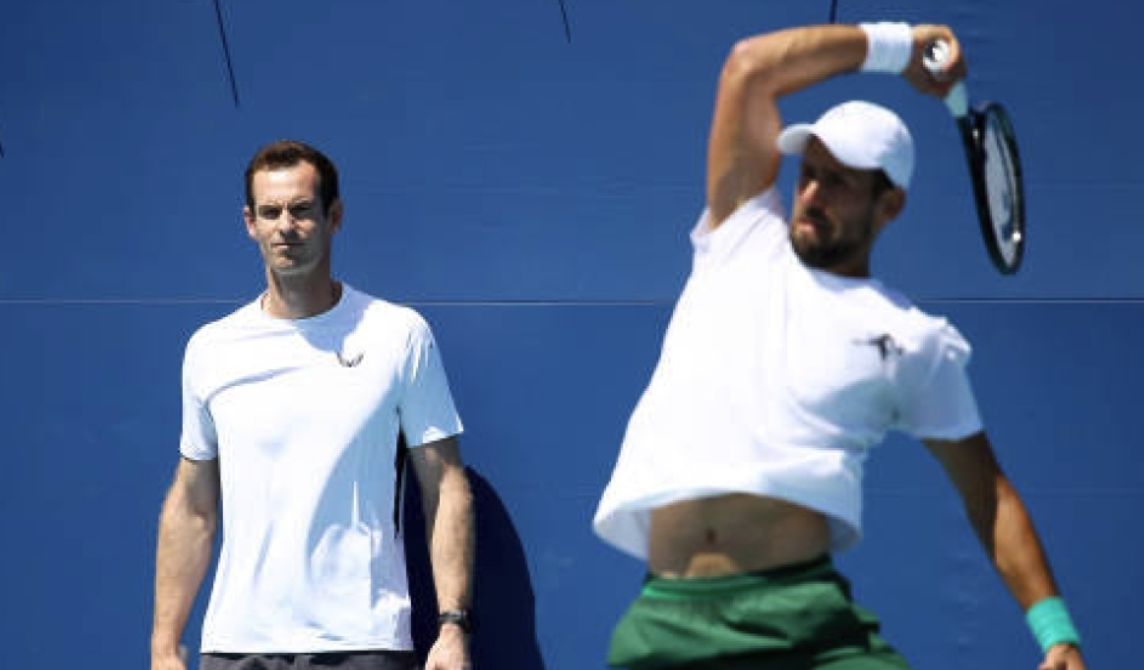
<point>784,363</point>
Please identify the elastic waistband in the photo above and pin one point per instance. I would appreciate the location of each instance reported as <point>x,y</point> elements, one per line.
<point>672,588</point>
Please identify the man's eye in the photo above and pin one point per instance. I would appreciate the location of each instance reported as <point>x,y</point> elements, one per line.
<point>301,210</point>
<point>270,213</point>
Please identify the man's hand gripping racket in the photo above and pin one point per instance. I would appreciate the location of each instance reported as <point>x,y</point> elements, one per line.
<point>994,167</point>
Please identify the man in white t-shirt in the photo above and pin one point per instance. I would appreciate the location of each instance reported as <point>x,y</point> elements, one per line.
<point>293,408</point>
<point>783,364</point>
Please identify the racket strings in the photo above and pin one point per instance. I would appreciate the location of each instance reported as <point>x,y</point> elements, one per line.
<point>1001,172</point>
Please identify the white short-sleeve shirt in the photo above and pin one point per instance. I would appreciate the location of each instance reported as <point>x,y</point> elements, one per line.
<point>304,416</point>
<point>776,379</point>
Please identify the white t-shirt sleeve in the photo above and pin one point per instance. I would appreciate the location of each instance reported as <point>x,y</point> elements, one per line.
<point>934,393</point>
<point>758,220</point>
<point>427,411</point>
<point>198,441</point>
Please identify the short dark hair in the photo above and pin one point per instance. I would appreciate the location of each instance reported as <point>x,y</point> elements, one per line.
<point>881,182</point>
<point>288,153</point>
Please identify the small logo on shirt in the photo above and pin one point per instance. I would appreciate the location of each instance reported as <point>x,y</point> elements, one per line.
<point>885,345</point>
<point>350,361</point>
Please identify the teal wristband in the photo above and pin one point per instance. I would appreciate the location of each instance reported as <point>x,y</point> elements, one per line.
<point>1051,623</point>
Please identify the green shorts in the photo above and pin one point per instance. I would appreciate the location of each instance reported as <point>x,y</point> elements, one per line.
<point>794,618</point>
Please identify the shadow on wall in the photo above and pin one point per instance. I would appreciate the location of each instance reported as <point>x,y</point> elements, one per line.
<point>504,605</point>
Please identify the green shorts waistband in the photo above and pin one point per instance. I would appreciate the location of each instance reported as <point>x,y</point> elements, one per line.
<point>688,588</point>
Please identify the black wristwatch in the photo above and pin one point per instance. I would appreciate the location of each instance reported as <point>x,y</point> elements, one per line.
<point>463,619</point>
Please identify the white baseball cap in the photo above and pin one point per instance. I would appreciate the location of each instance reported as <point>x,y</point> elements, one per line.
<point>860,135</point>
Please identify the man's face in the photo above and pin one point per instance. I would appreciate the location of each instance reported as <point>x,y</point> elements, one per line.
<point>836,213</point>
<point>288,220</point>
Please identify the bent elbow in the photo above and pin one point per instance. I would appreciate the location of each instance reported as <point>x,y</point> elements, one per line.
<point>751,61</point>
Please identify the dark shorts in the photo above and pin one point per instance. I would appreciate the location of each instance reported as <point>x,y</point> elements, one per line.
<point>794,618</point>
<point>351,660</point>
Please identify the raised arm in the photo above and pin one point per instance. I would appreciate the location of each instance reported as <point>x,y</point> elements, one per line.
<point>186,540</point>
<point>742,159</point>
<point>1003,526</point>
<point>448,505</point>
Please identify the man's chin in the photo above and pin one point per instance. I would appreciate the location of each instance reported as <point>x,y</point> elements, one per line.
<point>813,254</point>
<point>287,269</point>
<point>806,247</point>
<point>813,261</point>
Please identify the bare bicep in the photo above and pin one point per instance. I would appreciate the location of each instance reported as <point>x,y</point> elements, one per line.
<point>742,157</point>
<point>197,484</point>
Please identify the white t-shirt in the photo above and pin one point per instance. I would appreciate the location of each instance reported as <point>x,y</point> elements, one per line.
<point>776,379</point>
<point>303,416</point>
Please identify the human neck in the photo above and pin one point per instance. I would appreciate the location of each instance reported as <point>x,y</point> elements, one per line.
<point>851,270</point>
<point>290,298</point>
<point>855,265</point>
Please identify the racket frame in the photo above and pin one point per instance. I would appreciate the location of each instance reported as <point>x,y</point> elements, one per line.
<point>971,122</point>
<point>972,128</point>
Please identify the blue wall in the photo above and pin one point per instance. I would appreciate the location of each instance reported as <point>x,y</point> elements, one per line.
<point>531,197</point>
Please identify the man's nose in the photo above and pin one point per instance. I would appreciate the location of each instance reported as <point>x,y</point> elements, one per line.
<point>809,191</point>
<point>285,223</point>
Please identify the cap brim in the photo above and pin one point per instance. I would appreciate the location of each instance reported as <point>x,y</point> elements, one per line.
<point>792,140</point>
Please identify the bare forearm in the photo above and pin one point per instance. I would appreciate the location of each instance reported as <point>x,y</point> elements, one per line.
<point>789,60</point>
<point>1012,543</point>
<point>452,541</point>
<point>1006,532</point>
<point>185,547</point>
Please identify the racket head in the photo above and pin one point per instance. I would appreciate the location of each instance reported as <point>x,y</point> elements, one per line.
<point>998,186</point>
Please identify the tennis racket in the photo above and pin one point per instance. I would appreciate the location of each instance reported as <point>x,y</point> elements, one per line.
<point>994,167</point>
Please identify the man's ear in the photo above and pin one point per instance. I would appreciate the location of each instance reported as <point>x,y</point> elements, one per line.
<point>890,204</point>
<point>335,215</point>
<point>248,219</point>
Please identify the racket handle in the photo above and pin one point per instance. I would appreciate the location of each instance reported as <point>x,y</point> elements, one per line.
<point>957,100</point>
<point>934,59</point>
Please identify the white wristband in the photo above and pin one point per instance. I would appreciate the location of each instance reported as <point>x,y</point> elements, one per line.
<point>888,47</point>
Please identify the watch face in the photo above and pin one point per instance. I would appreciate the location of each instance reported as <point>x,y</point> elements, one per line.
<point>460,618</point>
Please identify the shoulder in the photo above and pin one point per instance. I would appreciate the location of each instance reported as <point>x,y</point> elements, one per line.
<point>764,206</point>
<point>759,220</point>
<point>926,333</point>
<point>936,341</point>
<point>241,319</point>
<point>391,316</point>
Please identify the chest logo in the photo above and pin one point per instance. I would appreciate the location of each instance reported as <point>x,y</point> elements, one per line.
<point>885,344</point>
<point>350,361</point>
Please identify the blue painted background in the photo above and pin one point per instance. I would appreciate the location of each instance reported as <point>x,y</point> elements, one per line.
<point>531,197</point>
